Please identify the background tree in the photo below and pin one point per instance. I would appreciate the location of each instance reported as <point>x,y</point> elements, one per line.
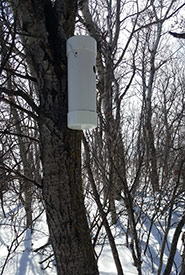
<point>129,70</point>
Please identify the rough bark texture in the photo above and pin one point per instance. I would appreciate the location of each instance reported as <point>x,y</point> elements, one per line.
<point>45,29</point>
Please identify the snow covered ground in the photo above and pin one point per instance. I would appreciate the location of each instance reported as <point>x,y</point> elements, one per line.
<point>19,254</point>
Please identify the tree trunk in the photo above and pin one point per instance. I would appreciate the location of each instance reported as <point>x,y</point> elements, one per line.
<point>102,212</point>
<point>64,203</point>
<point>183,255</point>
<point>26,186</point>
<point>45,27</point>
<point>174,246</point>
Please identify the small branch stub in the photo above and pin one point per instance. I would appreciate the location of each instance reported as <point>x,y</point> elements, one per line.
<point>81,56</point>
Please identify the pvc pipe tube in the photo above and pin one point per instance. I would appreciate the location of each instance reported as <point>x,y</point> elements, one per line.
<point>81,57</point>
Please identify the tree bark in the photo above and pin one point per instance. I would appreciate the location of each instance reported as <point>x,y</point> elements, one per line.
<point>174,245</point>
<point>45,28</point>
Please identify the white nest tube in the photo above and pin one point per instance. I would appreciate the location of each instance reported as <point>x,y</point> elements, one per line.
<point>81,57</point>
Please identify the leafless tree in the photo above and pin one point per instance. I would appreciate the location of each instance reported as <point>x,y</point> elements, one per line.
<point>33,52</point>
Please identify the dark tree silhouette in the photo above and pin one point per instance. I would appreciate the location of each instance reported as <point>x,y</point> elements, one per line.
<point>178,35</point>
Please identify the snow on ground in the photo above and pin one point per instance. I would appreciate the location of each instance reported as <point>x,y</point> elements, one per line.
<point>106,262</point>
<point>19,255</point>
<point>24,261</point>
